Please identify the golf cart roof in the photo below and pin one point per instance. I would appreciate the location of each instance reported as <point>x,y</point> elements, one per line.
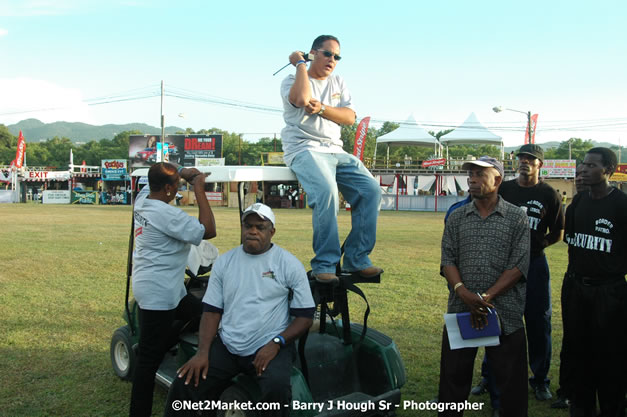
<point>234,173</point>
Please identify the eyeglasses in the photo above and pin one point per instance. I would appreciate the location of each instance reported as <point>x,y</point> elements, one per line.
<point>329,54</point>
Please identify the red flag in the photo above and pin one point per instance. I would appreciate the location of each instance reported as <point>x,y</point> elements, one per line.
<point>21,149</point>
<point>534,122</point>
<point>360,138</point>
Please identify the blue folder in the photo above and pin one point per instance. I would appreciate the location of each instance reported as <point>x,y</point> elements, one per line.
<point>492,328</point>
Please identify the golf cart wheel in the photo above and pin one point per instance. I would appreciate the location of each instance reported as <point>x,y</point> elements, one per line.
<point>123,356</point>
<point>232,394</point>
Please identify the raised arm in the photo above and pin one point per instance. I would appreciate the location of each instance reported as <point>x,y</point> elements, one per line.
<point>300,93</point>
<point>205,214</point>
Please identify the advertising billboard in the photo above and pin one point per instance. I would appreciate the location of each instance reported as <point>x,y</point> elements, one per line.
<point>114,170</point>
<point>182,149</point>
<point>558,168</point>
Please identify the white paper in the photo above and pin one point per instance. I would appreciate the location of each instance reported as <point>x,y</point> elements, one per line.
<point>455,338</point>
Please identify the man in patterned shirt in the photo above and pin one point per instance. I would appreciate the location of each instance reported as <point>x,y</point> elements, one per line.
<point>485,250</point>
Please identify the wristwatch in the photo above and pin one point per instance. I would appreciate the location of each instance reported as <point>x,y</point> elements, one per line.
<point>279,340</point>
<point>322,109</point>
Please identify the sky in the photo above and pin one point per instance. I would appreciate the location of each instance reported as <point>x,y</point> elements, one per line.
<point>102,62</point>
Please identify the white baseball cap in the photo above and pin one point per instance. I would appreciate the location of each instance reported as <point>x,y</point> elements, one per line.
<point>261,210</point>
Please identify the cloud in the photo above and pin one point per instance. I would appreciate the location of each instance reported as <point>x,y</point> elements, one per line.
<point>3,32</point>
<point>24,98</point>
<point>33,7</point>
<point>12,8</point>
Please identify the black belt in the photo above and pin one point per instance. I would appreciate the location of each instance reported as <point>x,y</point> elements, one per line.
<point>596,281</point>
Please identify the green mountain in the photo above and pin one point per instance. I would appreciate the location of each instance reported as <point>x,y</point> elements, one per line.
<point>35,131</point>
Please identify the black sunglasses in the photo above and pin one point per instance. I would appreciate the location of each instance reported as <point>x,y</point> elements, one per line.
<point>329,54</point>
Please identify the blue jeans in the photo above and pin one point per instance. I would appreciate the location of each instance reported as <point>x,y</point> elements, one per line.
<point>321,175</point>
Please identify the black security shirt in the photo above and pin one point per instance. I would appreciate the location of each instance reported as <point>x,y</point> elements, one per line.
<point>596,234</point>
<point>543,207</point>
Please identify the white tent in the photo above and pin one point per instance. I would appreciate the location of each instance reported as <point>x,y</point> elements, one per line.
<point>471,132</point>
<point>409,134</point>
<point>448,184</point>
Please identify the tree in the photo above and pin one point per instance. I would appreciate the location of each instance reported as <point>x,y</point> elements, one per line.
<point>7,140</point>
<point>348,139</point>
<point>578,149</point>
<point>383,130</point>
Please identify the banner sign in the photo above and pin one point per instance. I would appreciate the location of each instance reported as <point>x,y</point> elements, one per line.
<point>21,150</point>
<point>558,168</point>
<point>210,162</point>
<point>114,170</point>
<point>201,146</point>
<point>181,149</point>
<point>119,197</point>
<point>84,197</point>
<point>213,195</point>
<point>360,138</point>
<point>434,162</point>
<point>621,173</point>
<point>55,197</point>
<point>618,177</point>
<point>275,158</point>
<point>46,175</point>
<point>534,122</point>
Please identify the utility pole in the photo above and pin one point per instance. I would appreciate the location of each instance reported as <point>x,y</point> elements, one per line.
<point>570,149</point>
<point>161,157</point>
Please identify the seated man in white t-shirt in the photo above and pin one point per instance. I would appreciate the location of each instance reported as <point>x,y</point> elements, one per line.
<point>248,297</point>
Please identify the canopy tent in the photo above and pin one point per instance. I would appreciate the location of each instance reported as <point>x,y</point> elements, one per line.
<point>462,181</point>
<point>448,184</point>
<point>409,134</point>
<point>471,132</point>
<point>425,182</point>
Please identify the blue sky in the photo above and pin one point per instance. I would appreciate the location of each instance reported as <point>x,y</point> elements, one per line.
<point>438,61</point>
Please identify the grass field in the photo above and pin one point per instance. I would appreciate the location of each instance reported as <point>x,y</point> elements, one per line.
<point>62,284</point>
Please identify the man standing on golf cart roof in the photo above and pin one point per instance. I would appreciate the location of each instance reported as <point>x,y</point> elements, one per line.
<point>316,103</point>
<point>248,296</point>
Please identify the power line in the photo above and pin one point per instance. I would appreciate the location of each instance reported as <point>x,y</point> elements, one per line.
<point>142,93</point>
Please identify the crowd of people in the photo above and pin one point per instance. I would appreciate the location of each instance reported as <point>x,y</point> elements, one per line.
<point>259,301</point>
<point>484,270</point>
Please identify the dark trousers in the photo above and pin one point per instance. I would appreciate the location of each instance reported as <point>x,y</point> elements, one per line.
<point>595,344</point>
<point>490,383</point>
<point>566,374</point>
<point>538,320</point>
<point>538,313</point>
<point>274,382</point>
<point>157,334</point>
<point>508,365</point>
